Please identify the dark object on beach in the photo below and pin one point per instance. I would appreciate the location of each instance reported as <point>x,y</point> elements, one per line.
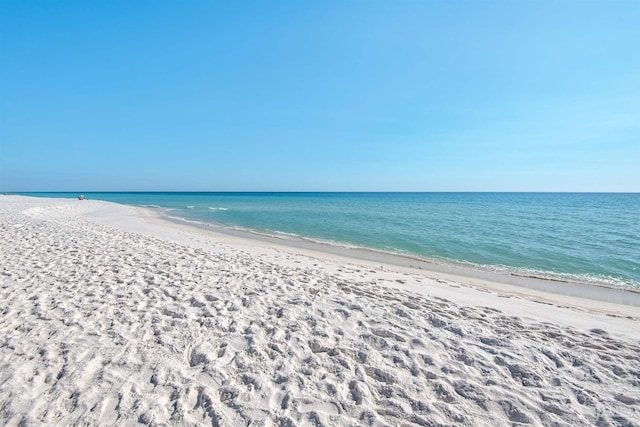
<point>81,197</point>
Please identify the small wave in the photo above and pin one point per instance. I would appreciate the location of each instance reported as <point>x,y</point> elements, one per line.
<point>284,234</point>
<point>190,207</point>
<point>293,236</point>
<point>216,209</point>
<point>152,206</point>
<point>189,221</point>
<point>593,279</point>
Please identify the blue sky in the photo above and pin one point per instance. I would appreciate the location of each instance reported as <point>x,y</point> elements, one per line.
<point>320,96</point>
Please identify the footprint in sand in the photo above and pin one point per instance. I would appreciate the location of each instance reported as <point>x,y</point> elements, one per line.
<point>109,413</point>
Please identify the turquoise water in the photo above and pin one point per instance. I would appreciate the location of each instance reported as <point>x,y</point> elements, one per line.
<point>592,238</point>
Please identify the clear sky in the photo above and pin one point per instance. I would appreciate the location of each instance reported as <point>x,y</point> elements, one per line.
<point>320,95</point>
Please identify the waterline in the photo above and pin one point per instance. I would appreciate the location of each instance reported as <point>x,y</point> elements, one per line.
<point>584,238</point>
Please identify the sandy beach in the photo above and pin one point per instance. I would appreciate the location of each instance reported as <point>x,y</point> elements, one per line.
<point>112,316</point>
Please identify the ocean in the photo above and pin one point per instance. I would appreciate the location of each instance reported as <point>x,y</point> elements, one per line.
<point>589,238</point>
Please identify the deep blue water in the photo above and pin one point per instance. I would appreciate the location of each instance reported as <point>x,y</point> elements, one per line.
<point>582,237</point>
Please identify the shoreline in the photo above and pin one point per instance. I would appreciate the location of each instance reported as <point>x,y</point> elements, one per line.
<point>547,285</point>
<point>446,285</point>
<point>517,263</point>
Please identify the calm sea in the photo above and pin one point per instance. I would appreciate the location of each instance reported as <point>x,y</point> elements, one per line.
<point>592,238</point>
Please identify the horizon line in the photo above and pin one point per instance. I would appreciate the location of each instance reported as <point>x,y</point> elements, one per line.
<point>319,191</point>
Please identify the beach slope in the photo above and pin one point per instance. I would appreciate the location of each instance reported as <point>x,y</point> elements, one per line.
<point>110,316</point>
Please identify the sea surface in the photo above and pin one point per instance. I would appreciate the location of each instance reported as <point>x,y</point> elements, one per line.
<point>580,237</point>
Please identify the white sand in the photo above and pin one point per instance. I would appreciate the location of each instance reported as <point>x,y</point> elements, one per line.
<point>110,316</point>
